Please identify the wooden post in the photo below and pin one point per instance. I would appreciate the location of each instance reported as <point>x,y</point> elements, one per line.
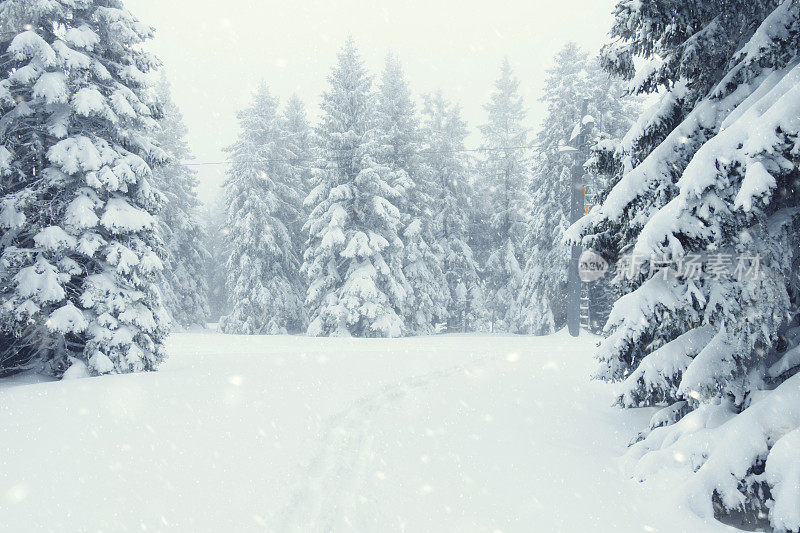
<point>576,211</point>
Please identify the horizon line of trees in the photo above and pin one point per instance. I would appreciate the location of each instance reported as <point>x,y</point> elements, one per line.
<point>378,222</point>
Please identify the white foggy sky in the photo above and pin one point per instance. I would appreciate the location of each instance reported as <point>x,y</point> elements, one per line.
<point>216,51</point>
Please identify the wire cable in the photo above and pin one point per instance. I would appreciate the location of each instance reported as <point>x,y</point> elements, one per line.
<point>421,152</point>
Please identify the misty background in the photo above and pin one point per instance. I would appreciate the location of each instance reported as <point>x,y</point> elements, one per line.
<point>215,53</point>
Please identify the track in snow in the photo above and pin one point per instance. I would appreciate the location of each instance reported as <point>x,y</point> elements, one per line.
<point>332,486</point>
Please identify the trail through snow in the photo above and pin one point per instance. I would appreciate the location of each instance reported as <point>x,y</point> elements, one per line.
<point>447,433</point>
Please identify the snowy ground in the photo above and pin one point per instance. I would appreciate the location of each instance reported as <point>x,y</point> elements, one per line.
<point>450,433</point>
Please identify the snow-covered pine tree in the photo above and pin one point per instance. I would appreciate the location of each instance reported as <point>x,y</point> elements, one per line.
<point>504,178</point>
<point>447,169</point>
<point>354,256</point>
<point>215,217</point>
<point>541,303</point>
<point>710,179</point>
<point>78,278</point>
<point>399,139</point>
<point>263,278</point>
<point>184,286</point>
<point>299,138</point>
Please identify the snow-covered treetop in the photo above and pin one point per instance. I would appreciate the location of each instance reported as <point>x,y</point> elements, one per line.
<point>506,113</point>
<point>345,121</point>
<point>397,116</point>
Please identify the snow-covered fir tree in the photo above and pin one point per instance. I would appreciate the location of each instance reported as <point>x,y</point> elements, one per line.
<point>709,190</point>
<point>447,170</point>
<point>263,203</point>
<point>77,283</point>
<point>214,218</point>
<point>400,146</point>
<point>184,286</point>
<point>541,305</point>
<point>299,137</point>
<point>503,182</point>
<point>541,302</point>
<point>354,257</point>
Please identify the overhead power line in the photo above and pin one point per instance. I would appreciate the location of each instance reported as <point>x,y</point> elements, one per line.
<point>421,152</point>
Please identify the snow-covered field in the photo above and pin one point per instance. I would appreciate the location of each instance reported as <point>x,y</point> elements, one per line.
<point>448,433</point>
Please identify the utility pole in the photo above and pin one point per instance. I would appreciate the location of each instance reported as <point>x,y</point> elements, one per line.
<point>578,143</point>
